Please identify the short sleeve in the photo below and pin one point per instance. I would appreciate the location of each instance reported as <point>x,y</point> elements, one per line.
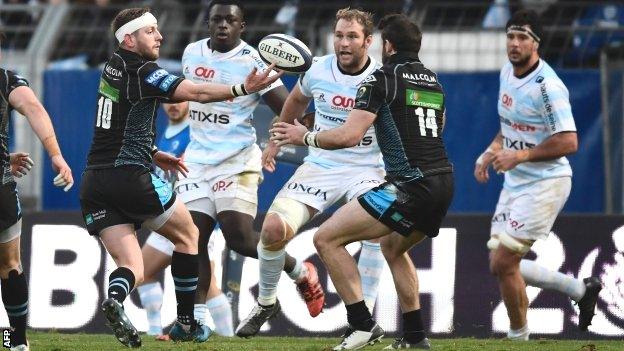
<point>371,93</point>
<point>261,66</point>
<point>9,80</point>
<point>553,104</point>
<point>157,82</point>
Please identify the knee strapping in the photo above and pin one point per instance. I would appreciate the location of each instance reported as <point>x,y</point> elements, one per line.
<point>508,241</point>
<point>292,214</point>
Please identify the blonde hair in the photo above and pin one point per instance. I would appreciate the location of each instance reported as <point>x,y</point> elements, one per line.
<point>362,17</point>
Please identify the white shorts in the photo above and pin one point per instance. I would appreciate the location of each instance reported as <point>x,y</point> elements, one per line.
<point>230,185</point>
<point>320,187</point>
<point>530,213</point>
<point>165,246</point>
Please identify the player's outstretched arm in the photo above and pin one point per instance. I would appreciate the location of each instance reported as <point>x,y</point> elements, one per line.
<point>347,135</point>
<point>211,92</point>
<point>23,99</point>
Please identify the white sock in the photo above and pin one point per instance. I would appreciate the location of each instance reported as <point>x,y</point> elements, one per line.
<point>370,265</point>
<point>151,295</point>
<point>221,312</point>
<point>199,312</point>
<point>271,266</point>
<point>536,275</point>
<point>521,334</point>
<point>299,271</point>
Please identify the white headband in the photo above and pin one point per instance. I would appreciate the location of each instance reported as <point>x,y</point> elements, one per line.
<point>147,19</point>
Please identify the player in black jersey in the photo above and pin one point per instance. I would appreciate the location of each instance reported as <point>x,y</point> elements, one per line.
<point>405,102</point>
<point>15,94</point>
<point>118,191</point>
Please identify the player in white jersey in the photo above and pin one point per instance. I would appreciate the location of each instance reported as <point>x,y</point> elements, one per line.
<point>537,132</point>
<point>326,176</point>
<point>222,156</point>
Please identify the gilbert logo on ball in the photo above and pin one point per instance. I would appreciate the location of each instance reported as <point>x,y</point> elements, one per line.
<point>288,53</point>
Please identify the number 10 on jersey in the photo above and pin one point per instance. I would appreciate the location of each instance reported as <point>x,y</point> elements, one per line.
<point>105,110</point>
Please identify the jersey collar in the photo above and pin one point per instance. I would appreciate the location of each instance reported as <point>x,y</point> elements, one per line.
<point>404,56</point>
<point>130,54</point>
<point>223,55</point>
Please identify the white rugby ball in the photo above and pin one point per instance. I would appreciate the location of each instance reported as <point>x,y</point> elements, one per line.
<point>288,53</point>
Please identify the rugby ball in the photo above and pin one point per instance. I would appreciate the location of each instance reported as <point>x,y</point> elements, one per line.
<point>288,53</point>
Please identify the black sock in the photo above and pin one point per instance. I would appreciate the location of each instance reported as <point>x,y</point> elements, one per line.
<point>15,298</point>
<point>120,283</point>
<point>413,330</point>
<point>359,316</point>
<point>184,272</point>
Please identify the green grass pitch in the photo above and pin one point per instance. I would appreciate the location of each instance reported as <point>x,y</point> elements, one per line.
<point>52,341</point>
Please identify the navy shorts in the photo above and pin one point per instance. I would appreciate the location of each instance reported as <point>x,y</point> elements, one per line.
<point>416,205</point>
<point>10,211</point>
<point>122,195</point>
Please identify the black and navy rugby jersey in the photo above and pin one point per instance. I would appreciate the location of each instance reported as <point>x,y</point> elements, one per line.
<point>130,91</point>
<point>409,103</point>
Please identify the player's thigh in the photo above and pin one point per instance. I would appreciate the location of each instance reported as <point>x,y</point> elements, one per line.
<point>10,255</point>
<point>121,243</point>
<point>156,252</point>
<point>395,244</point>
<point>350,223</point>
<point>179,227</point>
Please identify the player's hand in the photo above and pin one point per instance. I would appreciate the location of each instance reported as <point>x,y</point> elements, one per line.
<point>20,163</point>
<point>268,156</point>
<point>505,160</point>
<point>284,133</point>
<point>168,162</point>
<point>256,82</point>
<point>482,166</point>
<point>64,179</point>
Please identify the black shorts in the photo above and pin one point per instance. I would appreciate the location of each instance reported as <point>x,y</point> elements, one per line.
<point>418,205</point>
<point>122,195</point>
<point>10,210</point>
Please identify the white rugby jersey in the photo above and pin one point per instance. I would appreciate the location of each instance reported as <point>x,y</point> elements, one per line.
<point>220,130</point>
<point>334,97</point>
<point>531,109</point>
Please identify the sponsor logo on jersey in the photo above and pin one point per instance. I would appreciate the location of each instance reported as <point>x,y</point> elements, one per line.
<point>507,101</point>
<point>420,76</point>
<point>108,91</point>
<point>517,144</point>
<point>550,116</point>
<point>539,79</point>
<point>342,103</point>
<point>307,189</point>
<point>366,141</point>
<point>363,95</point>
<point>166,83</point>
<point>518,126</point>
<point>155,77</point>
<point>371,78</point>
<point>320,97</point>
<point>114,73</point>
<point>332,118</point>
<point>204,72</point>
<point>210,117</point>
<point>422,98</point>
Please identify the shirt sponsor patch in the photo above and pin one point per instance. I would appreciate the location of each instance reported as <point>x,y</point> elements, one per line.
<point>155,77</point>
<point>108,91</point>
<point>166,83</point>
<point>423,98</point>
